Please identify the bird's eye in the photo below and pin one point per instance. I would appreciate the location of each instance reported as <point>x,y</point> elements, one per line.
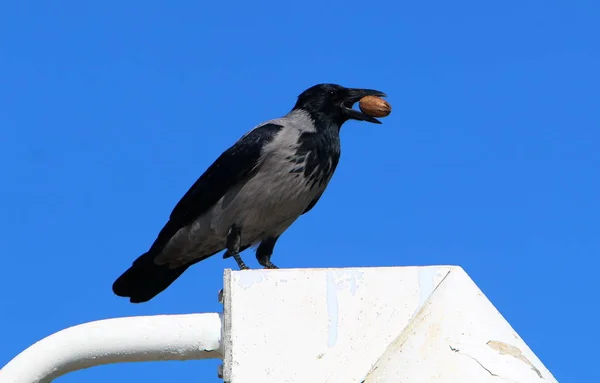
<point>332,93</point>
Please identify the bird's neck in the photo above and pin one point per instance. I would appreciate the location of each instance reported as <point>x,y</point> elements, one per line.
<point>315,122</point>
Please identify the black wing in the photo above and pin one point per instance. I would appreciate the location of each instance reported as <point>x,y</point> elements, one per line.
<point>234,165</point>
<point>145,279</point>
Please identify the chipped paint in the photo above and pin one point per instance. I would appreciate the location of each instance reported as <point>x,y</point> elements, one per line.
<point>353,284</point>
<point>348,279</point>
<point>248,279</point>
<point>428,278</point>
<point>338,280</point>
<point>426,284</point>
<point>341,325</point>
<point>515,352</point>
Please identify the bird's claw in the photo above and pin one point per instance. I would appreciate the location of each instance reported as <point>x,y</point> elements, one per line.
<point>238,260</point>
<point>269,265</point>
<point>243,267</point>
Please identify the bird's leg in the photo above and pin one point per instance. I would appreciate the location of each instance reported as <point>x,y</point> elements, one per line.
<point>234,238</point>
<point>264,252</point>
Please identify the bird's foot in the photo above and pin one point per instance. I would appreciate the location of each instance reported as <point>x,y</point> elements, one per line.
<point>243,267</point>
<point>240,262</point>
<point>268,265</point>
<point>264,252</point>
<point>234,237</point>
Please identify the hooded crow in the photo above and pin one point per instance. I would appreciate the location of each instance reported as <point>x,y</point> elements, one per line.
<point>252,193</point>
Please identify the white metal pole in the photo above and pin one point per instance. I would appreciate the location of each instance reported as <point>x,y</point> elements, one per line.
<point>130,339</point>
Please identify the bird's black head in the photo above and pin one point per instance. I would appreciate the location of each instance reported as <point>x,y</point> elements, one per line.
<point>333,103</point>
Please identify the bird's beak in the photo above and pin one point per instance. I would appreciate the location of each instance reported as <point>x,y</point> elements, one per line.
<point>355,95</point>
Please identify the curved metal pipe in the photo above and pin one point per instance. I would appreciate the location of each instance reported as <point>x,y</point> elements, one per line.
<point>130,339</point>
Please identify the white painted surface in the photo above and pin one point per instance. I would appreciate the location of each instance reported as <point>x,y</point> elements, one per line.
<point>398,324</point>
<point>371,325</point>
<point>459,336</point>
<point>131,339</point>
<point>317,325</point>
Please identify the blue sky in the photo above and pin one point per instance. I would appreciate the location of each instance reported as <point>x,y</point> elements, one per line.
<point>110,110</point>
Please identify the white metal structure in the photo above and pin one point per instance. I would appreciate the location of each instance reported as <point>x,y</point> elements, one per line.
<point>356,325</point>
<point>132,339</point>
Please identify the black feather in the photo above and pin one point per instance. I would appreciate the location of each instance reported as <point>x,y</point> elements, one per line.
<point>322,152</point>
<point>145,279</point>
<point>234,165</point>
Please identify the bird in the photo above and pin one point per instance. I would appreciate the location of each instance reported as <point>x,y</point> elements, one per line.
<point>252,193</point>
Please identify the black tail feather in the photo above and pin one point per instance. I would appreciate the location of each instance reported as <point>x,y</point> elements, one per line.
<point>145,279</point>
